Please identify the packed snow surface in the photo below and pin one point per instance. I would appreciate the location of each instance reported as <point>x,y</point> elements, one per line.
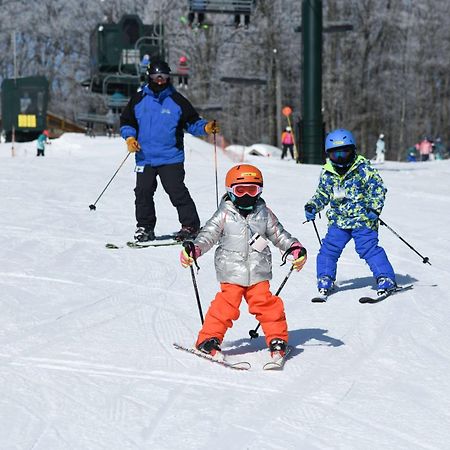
<point>86,332</point>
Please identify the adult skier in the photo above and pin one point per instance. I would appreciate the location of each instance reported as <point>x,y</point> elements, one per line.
<point>355,192</point>
<point>153,125</point>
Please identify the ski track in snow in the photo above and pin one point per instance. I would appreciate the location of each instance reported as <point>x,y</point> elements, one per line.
<point>86,333</point>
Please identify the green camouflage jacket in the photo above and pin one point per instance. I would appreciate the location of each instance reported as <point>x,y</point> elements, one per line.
<point>351,195</point>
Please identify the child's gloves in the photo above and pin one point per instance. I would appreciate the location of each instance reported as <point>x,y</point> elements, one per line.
<point>212,127</point>
<point>310,212</point>
<point>186,259</point>
<point>133,145</point>
<point>299,255</point>
<point>372,215</point>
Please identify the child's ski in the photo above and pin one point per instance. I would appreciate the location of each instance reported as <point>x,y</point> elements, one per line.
<point>241,365</point>
<point>320,298</point>
<point>384,296</point>
<point>277,361</point>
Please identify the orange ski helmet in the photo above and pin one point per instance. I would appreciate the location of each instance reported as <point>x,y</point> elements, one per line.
<point>243,174</point>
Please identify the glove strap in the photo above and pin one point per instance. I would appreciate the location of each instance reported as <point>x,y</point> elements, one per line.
<point>289,251</point>
<point>190,250</point>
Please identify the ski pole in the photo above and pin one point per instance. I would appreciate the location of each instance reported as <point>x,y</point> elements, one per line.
<point>254,333</point>
<point>190,249</point>
<point>93,207</point>
<point>215,163</point>
<point>315,228</point>
<point>425,259</point>
<point>317,233</point>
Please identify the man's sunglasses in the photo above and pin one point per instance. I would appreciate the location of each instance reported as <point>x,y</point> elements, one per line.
<point>239,190</point>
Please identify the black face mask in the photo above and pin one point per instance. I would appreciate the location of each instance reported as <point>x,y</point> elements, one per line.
<point>246,202</point>
<point>157,88</point>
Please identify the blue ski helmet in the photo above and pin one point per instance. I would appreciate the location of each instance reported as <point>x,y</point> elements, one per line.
<point>339,138</point>
<point>340,147</point>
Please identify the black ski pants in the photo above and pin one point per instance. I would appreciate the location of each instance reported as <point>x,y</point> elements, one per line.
<point>172,180</point>
<point>285,149</point>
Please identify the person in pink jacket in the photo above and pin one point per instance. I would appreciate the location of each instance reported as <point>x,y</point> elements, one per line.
<point>287,142</point>
<point>425,148</point>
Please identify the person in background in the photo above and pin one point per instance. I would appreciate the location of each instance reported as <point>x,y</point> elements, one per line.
<point>439,149</point>
<point>41,141</point>
<point>287,142</point>
<point>380,149</point>
<point>153,124</point>
<point>425,148</point>
<point>145,61</point>
<point>355,192</point>
<point>242,226</point>
<point>411,154</point>
<point>183,72</point>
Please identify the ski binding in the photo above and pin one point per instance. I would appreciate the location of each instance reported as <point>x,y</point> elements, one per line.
<point>277,361</point>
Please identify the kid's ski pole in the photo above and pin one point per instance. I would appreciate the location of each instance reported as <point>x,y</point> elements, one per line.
<point>315,228</point>
<point>317,232</point>
<point>254,333</point>
<point>425,259</point>
<point>93,207</point>
<point>190,249</point>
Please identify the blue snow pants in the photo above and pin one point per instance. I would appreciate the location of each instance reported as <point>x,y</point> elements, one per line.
<point>366,245</point>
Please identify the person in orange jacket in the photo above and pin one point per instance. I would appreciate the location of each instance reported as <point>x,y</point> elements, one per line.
<point>242,227</point>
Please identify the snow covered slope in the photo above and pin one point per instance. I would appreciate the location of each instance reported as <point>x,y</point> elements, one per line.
<point>86,333</point>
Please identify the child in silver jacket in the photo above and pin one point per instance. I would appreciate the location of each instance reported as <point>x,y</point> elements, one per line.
<point>241,227</point>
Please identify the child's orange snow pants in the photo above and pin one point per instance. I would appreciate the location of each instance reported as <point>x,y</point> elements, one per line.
<point>224,309</point>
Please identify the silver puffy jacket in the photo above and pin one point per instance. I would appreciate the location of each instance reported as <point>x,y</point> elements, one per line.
<point>235,261</point>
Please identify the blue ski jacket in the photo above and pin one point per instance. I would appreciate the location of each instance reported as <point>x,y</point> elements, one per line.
<point>158,121</point>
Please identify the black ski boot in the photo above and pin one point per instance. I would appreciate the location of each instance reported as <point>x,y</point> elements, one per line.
<point>277,346</point>
<point>186,233</point>
<point>144,234</point>
<point>210,346</point>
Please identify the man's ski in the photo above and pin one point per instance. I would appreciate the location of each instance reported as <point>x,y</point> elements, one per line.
<point>134,244</point>
<point>241,365</point>
<point>159,241</point>
<point>277,361</point>
<point>384,296</point>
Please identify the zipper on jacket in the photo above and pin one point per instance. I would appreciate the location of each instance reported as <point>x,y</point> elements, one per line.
<point>247,229</point>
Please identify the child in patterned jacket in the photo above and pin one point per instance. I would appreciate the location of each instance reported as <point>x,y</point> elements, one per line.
<point>355,192</point>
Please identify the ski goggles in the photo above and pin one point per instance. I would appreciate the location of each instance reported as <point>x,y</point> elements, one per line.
<point>239,190</point>
<point>156,76</point>
<point>339,155</point>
